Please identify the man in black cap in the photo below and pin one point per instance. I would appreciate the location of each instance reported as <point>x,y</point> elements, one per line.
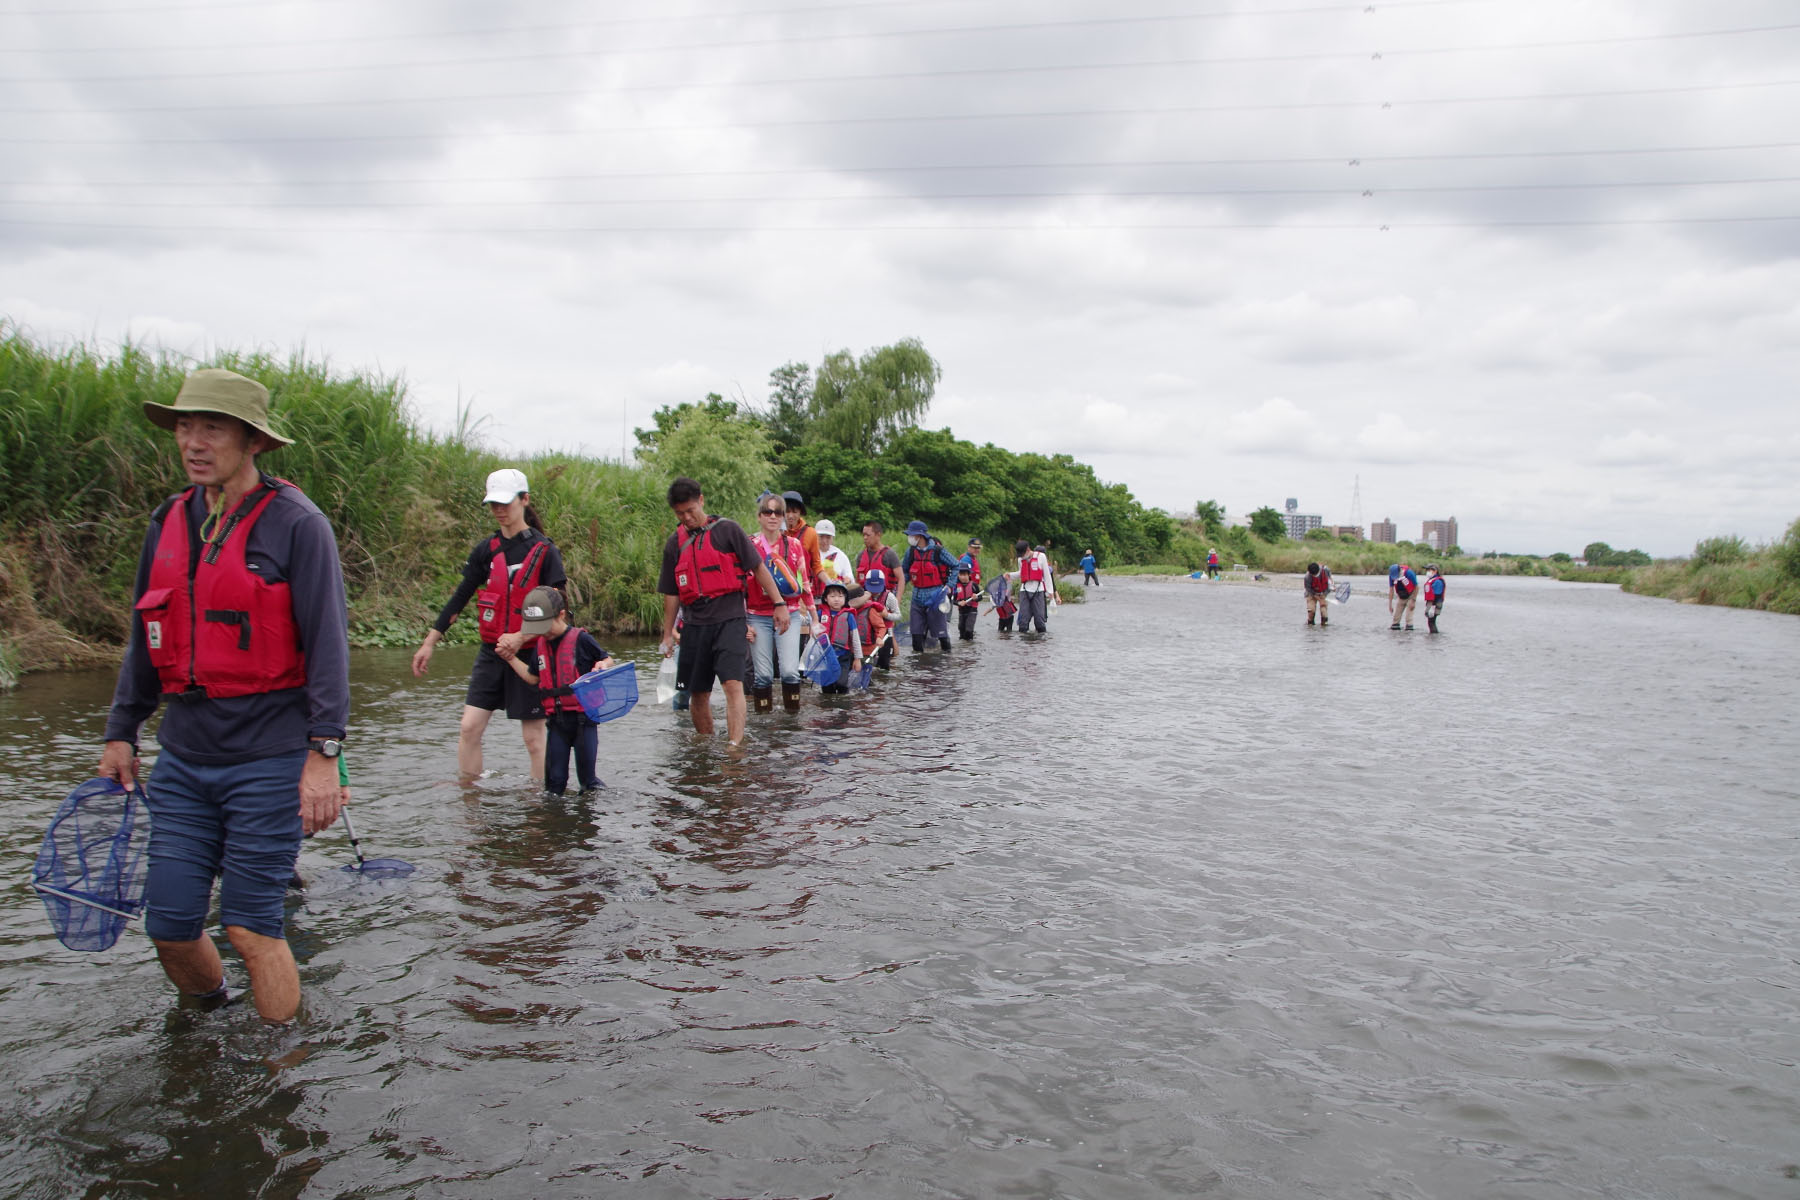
<point>240,623</point>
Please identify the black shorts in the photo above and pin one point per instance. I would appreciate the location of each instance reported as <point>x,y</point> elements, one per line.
<point>717,652</point>
<point>493,684</point>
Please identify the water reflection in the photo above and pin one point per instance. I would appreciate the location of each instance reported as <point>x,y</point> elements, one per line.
<point>1181,899</point>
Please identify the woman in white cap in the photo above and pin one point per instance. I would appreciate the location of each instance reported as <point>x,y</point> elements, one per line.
<point>833,562</point>
<point>502,570</point>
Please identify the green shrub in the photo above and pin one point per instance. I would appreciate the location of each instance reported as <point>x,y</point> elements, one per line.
<point>1715,551</point>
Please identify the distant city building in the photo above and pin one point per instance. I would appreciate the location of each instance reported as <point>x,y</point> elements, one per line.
<point>1298,522</point>
<point>1349,531</point>
<point>1440,535</point>
<point>1383,531</point>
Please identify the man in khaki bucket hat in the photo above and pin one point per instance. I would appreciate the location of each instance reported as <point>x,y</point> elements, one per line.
<point>216,390</point>
<point>240,634</point>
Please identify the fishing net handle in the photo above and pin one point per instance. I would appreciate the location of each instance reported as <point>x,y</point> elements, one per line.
<point>76,898</point>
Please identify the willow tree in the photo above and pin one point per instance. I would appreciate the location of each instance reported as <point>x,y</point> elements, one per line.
<point>862,403</point>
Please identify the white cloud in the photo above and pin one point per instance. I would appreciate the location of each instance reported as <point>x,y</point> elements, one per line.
<point>1636,448</point>
<point>1392,440</point>
<point>1174,272</point>
<point>1276,426</point>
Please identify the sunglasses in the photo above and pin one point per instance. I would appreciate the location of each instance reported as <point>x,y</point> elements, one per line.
<point>770,512</point>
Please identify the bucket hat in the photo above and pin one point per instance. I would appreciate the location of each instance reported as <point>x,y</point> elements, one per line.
<point>915,529</point>
<point>216,390</point>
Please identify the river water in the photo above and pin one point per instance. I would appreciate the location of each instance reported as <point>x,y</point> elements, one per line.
<point>1185,898</point>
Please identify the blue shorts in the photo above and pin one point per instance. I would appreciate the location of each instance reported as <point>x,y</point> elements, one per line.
<point>238,823</point>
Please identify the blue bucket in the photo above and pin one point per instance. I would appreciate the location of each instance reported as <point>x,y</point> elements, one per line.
<point>604,695</point>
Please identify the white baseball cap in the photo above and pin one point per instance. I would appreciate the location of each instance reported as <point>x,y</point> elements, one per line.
<point>825,529</point>
<point>504,486</point>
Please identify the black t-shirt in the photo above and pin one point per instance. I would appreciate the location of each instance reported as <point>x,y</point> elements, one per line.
<point>475,571</point>
<point>728,537</point>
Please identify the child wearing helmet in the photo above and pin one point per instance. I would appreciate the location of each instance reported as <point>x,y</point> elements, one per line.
<point>839,626</point>
<point>879,609</point>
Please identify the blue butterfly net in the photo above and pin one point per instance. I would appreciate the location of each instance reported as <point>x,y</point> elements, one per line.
<point>604,695</point>
<point>90,872</point>
<point>819,662</point>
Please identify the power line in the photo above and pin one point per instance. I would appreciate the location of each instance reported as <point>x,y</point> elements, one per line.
<point>789,172</point>
<point>811,229</point>
<point>1354,6</point>
<point>888,119</point>
<point>788,198</point>
<point>798,39</point>
<point>889,76</point>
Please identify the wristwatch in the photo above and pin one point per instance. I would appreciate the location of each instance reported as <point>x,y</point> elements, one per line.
<point>329,747</point>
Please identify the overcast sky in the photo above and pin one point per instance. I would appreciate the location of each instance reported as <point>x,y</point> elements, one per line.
<point>1532,263</point>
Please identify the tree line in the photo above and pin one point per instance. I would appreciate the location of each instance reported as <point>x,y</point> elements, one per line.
<point>846,436</point>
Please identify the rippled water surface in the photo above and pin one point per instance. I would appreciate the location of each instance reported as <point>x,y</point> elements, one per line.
<point>1183,899</point>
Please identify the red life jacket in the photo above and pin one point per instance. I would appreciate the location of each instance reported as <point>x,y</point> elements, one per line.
<point>926,571</point>
<point>500,607</point>
<point>1434,588</point>
<point>838,624</point>
<point>1031,568</point>
<point>1320,583</point>
<point>702,570</point>
<point>1403,588</point>
<point>556,671</point>
<point>966,592</point>
<point>221,627</point>
<point>871,560</point>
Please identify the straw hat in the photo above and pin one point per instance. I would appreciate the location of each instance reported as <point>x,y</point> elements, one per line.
<point>216,390</point>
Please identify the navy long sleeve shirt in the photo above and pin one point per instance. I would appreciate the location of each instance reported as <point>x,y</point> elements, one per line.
<point>291,542</point>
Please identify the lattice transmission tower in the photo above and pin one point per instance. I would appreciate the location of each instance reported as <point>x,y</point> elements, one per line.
<point>1356,503</point>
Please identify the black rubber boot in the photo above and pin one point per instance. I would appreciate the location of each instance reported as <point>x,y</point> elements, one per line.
<point>790,697</point>
<point>918,645</point>
<point>1324,620</point>
<point>1309,620</point>
<point>945,643</point>
<point>764,698</point>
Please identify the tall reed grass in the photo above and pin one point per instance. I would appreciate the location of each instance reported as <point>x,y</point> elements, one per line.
<point>82,468</point>
<point>1729,571</point>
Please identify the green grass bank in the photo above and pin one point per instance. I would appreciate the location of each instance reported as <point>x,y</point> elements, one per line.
<point>1728,571</point>
<point>82,469</point>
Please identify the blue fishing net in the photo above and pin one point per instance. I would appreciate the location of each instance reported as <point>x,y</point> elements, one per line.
<point>605,695</point>
<point>820,662</point>
<point>91,869</point>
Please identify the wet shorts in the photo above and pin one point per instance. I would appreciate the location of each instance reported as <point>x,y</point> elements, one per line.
<point>493,684</point>
<point>719,652</point>
<point>238,823</point>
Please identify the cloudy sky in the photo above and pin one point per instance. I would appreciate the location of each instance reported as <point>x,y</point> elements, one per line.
<point>1534,263</point>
